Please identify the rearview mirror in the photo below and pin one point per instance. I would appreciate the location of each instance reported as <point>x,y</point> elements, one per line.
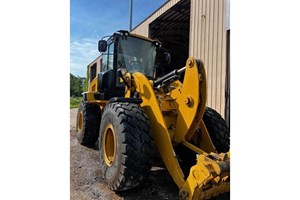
<point>102,45</point>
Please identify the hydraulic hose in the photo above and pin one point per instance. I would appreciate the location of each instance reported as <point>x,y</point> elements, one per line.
<point>175,72</point>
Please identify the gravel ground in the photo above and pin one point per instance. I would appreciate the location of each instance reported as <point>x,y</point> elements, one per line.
<point>86,181</point>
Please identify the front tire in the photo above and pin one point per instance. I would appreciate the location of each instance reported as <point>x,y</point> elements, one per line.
<point>219,134</point>
<point>125,145</point>
<point>217,129</point>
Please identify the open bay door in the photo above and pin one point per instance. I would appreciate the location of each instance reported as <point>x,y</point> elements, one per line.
<point>172,29</point>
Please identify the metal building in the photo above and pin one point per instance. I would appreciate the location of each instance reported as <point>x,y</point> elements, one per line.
<point>197,28</point>
<point>94,68</point>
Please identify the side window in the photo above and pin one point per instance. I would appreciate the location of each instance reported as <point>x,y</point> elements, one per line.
<point>104,61</point>
<point>110,63</point>
<point>93,71</point>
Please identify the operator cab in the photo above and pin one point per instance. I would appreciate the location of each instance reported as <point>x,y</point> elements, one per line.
<point>132,52</point>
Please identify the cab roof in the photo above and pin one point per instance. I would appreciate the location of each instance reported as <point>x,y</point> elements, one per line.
<point>124,32</point>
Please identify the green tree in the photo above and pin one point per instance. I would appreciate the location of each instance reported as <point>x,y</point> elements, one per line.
<point>76,84</point>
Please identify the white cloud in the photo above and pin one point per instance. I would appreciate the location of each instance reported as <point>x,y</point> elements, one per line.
<point>83,52</point>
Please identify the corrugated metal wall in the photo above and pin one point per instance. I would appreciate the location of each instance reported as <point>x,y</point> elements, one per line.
<point>143,27</point>
<point>208,42</point>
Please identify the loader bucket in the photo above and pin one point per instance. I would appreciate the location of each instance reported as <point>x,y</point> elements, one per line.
<point>208,178</point>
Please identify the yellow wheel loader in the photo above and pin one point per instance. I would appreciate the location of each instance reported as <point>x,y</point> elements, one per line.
<point>136,112</point>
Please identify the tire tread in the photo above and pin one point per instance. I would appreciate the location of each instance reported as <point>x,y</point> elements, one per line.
<point>137,149</point>
<point>91,123</point>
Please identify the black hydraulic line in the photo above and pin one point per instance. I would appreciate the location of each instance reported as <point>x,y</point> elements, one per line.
<point>175,72</point>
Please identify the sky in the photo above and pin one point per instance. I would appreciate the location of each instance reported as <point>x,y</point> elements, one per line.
<point>92,19</point>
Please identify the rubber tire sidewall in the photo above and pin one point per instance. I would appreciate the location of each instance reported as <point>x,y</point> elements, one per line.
<point>111,173</point>
<point>134,145</point>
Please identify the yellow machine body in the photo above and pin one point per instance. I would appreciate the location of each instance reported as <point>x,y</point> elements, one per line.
<point>174,116</point>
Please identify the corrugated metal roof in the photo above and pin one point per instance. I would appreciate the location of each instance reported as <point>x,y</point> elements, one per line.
<point>142,28</point>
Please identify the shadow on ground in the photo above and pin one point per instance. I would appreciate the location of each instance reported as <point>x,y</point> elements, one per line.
<point>86,181</point>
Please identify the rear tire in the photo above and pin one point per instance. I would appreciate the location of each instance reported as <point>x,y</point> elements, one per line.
<point>125,145</point>
<point>88,122</point>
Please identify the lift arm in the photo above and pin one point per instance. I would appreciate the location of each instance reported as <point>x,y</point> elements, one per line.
<point>210,175</point>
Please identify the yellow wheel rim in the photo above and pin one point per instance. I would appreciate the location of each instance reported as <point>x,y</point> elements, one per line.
<point>109,145</point>
<point>80,121</point>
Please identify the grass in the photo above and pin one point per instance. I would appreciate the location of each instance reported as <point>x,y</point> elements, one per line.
<point>75,101</point>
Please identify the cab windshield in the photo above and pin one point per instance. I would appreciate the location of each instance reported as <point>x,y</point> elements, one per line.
<point>137,55</point>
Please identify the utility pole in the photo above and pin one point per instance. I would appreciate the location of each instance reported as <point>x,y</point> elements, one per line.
<point>130,16</point>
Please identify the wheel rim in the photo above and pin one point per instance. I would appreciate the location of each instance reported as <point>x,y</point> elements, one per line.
<point>109,145</point>
<point>80,121</point>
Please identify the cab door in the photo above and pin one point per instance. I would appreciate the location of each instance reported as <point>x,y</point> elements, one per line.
<point>108,79</point>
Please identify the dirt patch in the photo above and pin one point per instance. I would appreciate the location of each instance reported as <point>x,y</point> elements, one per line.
<point>86,181</point>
